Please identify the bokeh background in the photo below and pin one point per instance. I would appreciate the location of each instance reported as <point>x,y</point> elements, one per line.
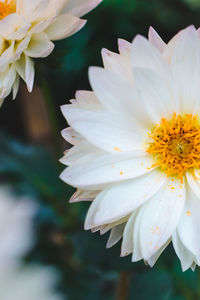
<point>31,144</point>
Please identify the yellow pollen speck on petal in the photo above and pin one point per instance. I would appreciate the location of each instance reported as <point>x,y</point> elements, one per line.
<point>180,196</point>
<point>117,149</point>
<point>155,230</point>
<point>6,8</point>
<point>175,145</point>
<point>188,213</point>
<point>142,164</point>
<point>121,173</point>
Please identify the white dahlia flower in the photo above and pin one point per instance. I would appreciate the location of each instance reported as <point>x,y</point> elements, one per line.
<point>27,29</point>
<point>16,228</point>
<point>28,283</point>
<point>136,150</point>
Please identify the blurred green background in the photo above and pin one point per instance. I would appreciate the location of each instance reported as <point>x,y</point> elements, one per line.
<point>30,146</point>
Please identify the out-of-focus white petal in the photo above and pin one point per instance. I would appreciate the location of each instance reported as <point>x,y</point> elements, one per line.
<point>25,69</point>
<point>33,282</point>
<point>16,87</point>
<point>79,7</point>
<point>16,236</point>
<point>64,26</point>
<point>39,46</point>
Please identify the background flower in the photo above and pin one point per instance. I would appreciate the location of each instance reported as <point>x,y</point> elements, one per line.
<point>16,239</point>
<point>27,30</point>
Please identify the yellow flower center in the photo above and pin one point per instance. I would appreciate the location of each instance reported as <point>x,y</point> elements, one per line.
<point>6,8</point>
<point>176,144</point>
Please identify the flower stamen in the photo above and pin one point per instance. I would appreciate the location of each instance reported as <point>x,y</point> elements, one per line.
<point>176,145</point>
<point>6,8</point>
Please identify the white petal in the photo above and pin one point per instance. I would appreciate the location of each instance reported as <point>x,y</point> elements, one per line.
<point>155,95</point>
<point>16,87</point>
<point>137,253</point>
<point>29,73</point>
<point>124,48</point>
<point>14,27</point>
<point>71,136</point>
<point>123,198</point>
<point>189,226</point>
<point>81,195</point>
<point>39,46</point>
<point>145,55</point>
<point>7,57</point>
<point>194,181</point>
<point>25,69</point>
<point>115,235</point>
<point>152,260</point>
<point>160,216</point>
<point>64,26</point>
<point>105,130</point>
<point>106,169</point>
<point>116,63</point>
<point>156,40</point>
<point>79,7</point>
<point>127,243</point>
<point>185,256</point>
<point>183,53</point>
<point>21,46</point>
<point>118,95</point>
<point>87,99</point>
<point>80,153</point>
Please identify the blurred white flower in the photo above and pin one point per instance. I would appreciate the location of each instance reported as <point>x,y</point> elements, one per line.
<point>137,147</point>
<point>27,29</point>
<point>28,283</point>
<point>16,228</point>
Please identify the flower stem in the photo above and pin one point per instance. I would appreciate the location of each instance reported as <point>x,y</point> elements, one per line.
<point>123,286</point>
<point>52,115</point>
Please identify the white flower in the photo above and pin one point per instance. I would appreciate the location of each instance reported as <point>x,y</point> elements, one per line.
<point>28,283</point>
<point>27,29</point>
<point>137,147</point>
<point>16,232</point>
